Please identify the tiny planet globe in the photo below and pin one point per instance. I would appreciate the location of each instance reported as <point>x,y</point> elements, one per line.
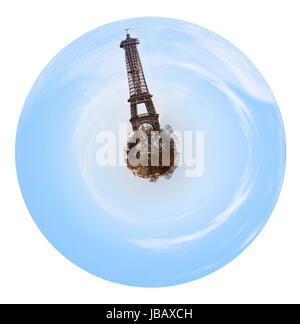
<point>158,157</point>
<point>125,197</point>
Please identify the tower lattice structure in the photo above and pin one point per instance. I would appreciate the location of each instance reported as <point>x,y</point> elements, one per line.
<point>138,89</point>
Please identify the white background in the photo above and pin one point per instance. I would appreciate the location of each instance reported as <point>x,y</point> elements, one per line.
<point>32,32</point>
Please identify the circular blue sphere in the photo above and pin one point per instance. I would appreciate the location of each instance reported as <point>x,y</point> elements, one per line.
<point>126,229</point>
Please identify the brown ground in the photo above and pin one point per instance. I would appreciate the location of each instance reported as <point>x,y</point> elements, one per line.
<point>153,173</point>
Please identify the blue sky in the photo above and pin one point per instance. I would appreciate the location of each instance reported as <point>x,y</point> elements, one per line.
<point>126,229</point>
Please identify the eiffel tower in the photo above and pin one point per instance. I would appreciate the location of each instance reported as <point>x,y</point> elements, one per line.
<point>138,89</point>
